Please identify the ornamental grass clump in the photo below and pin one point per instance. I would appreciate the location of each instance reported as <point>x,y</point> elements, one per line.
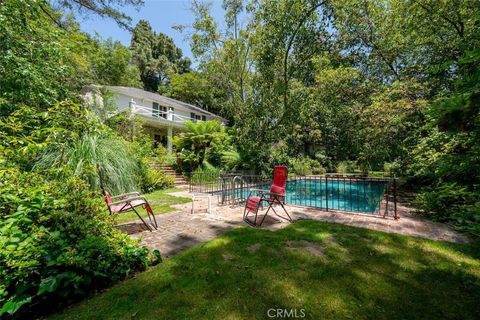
<point>91,151</point>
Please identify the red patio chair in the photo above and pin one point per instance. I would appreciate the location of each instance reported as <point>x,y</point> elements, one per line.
<point>128,202</point>
<point>274,196</point>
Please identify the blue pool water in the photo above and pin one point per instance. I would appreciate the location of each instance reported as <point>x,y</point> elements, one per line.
<point>337,194</point>
<point>354,195</point>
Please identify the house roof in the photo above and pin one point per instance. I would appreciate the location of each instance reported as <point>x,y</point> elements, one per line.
<point>162,100</point>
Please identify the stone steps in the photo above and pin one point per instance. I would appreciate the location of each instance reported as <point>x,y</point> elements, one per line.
<point>169,171</point>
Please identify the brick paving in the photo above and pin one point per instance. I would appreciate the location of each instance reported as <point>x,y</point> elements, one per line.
<point>180,230</point>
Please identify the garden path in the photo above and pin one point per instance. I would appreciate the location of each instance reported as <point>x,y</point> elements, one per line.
<point>180,230</point>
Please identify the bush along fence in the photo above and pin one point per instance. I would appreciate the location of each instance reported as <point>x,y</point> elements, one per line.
<point>349,193</point>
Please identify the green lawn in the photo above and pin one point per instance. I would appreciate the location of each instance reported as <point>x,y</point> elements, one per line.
<point>331,271</point>
<point>159,200</point>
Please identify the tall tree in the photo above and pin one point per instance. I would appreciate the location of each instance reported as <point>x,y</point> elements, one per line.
<point>262,66</point>
<point>194,87</point>
<point>157,57</point>
<point>111,65</point>
<point>39,62</point>
<point>224,54</point>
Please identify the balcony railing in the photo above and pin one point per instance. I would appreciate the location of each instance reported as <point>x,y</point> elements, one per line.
<point>163,116</point>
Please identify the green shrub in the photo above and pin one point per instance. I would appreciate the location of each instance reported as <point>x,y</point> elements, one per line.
<point>147,176</point>
<point>231,159</point>
<point>276,154</point>
<point>305,166</point>
<point>452,203</point>
<point>323,160</point>
<point>156,179</point>
<point>387,168</point>
<point>300,166</point>
<point>57,242</point>
<point>319,170</point>
<point>390,168</point>
<point>203,141</point>
<point>438,202</point>
<point>315,166</point>
<point>162,156</point>
<point>221,143</point>
<point>205,173</point>
<point>342,167</point>
<point>352,166</point>
<point>187,161</point>
<point>128,126</point>
<point>467,218</point>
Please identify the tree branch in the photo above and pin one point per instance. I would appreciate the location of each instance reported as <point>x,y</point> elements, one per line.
<point>459,29</point>
<point>57,22</point>
<point>289,47</point>
<point>370,42</point>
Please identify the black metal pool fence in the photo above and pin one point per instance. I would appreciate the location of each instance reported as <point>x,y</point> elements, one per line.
<point>349,193</point>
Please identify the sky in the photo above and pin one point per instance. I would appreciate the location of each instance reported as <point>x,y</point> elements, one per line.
<point>162,15</point>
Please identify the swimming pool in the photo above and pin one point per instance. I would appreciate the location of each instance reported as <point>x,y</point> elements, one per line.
<point>353,195</point>
<point>343,194</point>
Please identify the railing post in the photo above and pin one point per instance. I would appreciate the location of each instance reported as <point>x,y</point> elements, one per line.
<point>169,140</point>
<point>242,192</point>
<point>387,189</point>
<point>131,105</point>
<point>326,189</point>
<point>395,198</point>
<point>234,196</point>
<point>222,187</point>
<point>350,192</point>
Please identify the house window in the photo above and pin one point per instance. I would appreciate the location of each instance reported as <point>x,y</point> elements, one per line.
<point>164,114</point>
<point>204,118</point>
<point>158,110</point>
<point>192,116</point>
<point>155,109</point>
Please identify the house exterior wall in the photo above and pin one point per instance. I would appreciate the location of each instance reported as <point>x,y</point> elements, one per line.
<point>163,122</point>
<point>123,103</point>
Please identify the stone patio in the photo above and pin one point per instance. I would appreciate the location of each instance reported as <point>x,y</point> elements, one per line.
<point>180,229</point>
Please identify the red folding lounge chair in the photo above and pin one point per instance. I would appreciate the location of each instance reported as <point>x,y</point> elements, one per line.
<point>128,202</point>
<point>275,196</point>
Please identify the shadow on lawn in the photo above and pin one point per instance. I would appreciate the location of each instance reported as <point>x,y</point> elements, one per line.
<point>360,274</point>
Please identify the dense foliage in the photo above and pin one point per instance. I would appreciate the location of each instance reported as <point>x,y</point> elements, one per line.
<point>57,241</point>
<point>202,145</point>
<point>156,56</point>
<point>352,85</point>
<point>319,85</point>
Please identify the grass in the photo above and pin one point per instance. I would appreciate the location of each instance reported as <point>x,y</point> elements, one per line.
<point>331,271</point>
<point>160,201</point>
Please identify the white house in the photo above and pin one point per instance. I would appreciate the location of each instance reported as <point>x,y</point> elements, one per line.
<point>164,117</point>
